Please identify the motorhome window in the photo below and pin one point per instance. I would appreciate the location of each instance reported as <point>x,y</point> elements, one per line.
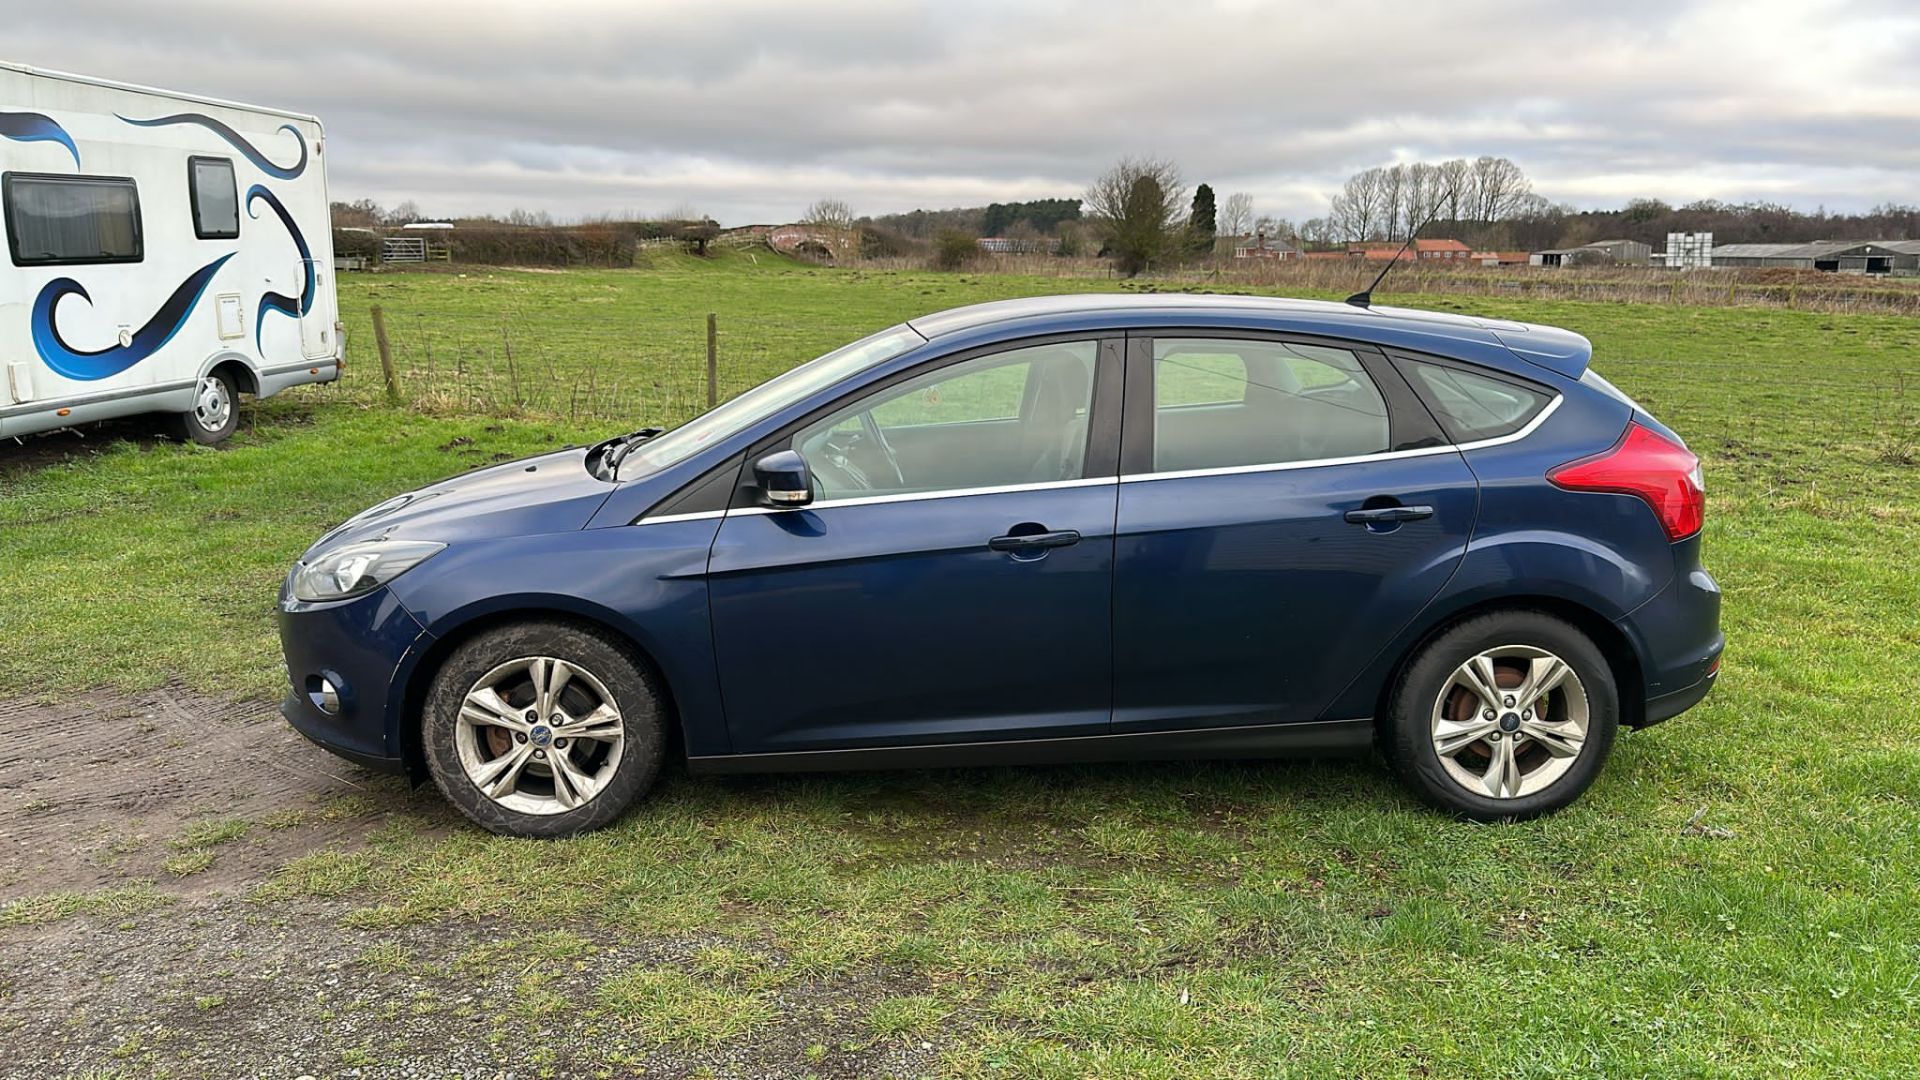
<point>55,220</point>
<point>216,201</point>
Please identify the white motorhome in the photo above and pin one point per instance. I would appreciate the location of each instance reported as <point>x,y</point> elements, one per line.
<point>166,253</point>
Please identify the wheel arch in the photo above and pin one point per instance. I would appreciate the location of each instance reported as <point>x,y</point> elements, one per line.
<point>411,695</point>
<point>246,379</point>
<point>1622,659</point>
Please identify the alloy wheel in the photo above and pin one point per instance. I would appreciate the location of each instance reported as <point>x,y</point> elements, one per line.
<point>1510,721</point>
<point>539,735</point>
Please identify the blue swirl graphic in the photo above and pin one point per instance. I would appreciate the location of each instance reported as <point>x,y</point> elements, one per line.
<point>88,366</point>
<point>33,127</point>
<point>290,306</point>
<point>236,140</point>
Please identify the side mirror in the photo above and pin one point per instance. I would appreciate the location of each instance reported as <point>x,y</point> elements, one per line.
<point>784,479</point>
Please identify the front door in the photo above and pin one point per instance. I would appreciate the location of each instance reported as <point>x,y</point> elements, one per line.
<point>1278,523</point>
<point>952,579</point>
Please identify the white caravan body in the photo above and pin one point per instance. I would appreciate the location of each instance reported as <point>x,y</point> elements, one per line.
<point>157,243</point>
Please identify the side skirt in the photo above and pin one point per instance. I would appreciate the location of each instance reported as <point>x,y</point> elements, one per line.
<point>1318,738</point>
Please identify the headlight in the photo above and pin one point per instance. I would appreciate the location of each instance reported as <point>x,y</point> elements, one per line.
<point>353,569</point>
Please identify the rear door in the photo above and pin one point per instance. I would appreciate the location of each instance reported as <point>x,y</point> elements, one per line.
<point>1286,506</point>
<point>952,579</point>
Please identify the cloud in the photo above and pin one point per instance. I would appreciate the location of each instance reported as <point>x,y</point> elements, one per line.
<point>751,110</point>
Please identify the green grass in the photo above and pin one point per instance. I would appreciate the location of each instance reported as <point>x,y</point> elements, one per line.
<point>1152,921</point>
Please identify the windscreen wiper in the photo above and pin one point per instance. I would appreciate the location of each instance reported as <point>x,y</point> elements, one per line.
<point>617,452</point>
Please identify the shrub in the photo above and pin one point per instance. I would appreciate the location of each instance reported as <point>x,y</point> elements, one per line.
<point>953,249</point>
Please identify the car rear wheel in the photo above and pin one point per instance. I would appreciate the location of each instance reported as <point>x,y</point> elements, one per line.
<point>1505,716</point>
<point>543,729</point>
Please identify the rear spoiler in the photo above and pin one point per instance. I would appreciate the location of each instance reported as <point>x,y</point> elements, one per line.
<point>1562,352</point>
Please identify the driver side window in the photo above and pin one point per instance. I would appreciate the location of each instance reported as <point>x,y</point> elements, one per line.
<point>1016,417</point>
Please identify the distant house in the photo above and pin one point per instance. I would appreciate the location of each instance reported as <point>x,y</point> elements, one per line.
<point>1261,246</point>
<point>1386,253</point>
<point>1441,249</point>
<point>1388,250</point>
<point>1500,258</point>
<point>1600,252</point>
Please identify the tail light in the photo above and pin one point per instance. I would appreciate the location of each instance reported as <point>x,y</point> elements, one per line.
<point>1647,464</point>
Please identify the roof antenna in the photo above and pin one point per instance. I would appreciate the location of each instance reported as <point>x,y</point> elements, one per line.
<point>1364,298</point>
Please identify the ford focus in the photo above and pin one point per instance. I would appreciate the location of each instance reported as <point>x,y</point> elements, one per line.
<point>1080,528</point>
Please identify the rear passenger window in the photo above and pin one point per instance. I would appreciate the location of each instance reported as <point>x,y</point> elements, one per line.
<point>216,201</point>
<point>1226,402</point>
<point>1472,407</point>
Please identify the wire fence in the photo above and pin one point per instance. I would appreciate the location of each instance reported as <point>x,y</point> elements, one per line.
<point>578,369</point>
<point>1859,399</point>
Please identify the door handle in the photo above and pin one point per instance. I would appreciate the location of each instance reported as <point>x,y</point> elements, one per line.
<point>1039,541</point>
<point>1388,515</point>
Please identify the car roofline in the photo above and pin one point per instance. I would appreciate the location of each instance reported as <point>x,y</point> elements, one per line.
<point>1557,350</point>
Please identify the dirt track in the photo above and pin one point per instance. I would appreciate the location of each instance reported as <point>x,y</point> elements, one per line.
<point>210,983</point>
<point>107,797</point>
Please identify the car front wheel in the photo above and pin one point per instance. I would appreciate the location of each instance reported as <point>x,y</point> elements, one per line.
<point>1505,716</point>
<point>542,729</point>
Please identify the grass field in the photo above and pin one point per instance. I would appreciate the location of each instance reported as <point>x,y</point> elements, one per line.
<point>1739,894</point>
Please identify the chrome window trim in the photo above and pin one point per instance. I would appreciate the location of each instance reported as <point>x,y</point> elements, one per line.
<point>1385,455</point>
<point>925,496</point>
<point>699,515</point>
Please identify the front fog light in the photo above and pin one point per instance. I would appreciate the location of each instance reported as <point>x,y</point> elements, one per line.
<point>324,695</point>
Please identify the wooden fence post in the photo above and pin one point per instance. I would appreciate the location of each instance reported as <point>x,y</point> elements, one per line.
<point>713,360</point>
<point>386,355</point>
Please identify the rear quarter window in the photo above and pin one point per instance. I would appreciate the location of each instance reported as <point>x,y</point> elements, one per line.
<point>1471,406</point>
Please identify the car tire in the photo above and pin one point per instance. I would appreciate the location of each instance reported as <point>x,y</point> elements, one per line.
<point>521,764</point>
<point>1521,764</point>
<point>215,412</point>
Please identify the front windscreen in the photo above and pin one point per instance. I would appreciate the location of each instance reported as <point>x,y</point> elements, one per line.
<point>766,399</point>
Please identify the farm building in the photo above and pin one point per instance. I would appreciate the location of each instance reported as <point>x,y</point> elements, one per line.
<point>1500,258</point>
<point>1611,252</point>
<point>1840,256</point>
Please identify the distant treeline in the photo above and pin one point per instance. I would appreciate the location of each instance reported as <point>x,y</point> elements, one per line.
<point>1650,220</point>
<point>1040,217</point>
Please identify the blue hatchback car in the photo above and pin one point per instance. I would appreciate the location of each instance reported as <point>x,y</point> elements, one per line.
<point>1077,528</point>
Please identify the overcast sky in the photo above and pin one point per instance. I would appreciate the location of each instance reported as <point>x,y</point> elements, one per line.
<point>751,110</point>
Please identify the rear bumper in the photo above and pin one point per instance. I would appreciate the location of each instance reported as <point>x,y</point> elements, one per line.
<point>1668,706</point>
<point>1678,639</point>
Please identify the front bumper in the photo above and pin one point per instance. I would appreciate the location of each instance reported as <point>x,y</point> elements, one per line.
<point>358,646</point>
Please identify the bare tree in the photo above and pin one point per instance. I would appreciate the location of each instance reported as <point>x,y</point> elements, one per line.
<point>1500,189</point>
<point>1236,214</point>
<point>829,214</point>
<point>1138,206</point>
<point>1393,196</point>
<point>1386,202</point>
<point>1454,180</point>
<point>1356,212</point>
